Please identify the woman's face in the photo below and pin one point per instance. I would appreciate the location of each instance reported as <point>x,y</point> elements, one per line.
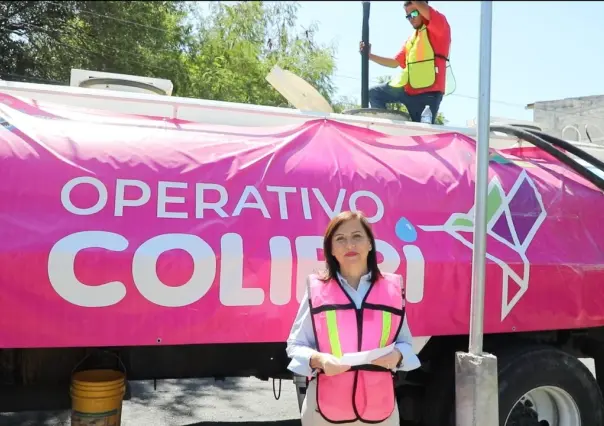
<point>350,245</point>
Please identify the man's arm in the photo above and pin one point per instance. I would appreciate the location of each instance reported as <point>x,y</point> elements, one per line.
<point>437,23</point>
<point>382,60</point>
<point>423,9</point>
<point>401,57</point>
<point>386,62</point>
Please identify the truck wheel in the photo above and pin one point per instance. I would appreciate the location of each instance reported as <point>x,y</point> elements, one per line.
<point>544,386</point>
<point>538,386</point>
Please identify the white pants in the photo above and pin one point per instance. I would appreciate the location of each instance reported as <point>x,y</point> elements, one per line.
<point>311,417</point>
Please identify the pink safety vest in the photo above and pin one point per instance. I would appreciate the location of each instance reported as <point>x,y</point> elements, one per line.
<point>364,393</point>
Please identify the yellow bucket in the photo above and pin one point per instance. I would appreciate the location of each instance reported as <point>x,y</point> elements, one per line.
<point>96,397</point>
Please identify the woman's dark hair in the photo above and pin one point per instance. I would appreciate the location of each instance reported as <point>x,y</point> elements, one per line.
<point>333,266</point>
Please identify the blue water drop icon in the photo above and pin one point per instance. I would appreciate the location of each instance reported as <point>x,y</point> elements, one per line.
<point>405,231</point>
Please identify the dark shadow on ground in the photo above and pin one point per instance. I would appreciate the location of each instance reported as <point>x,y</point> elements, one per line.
<point>35,418</point>
<point>42,419</point>
<point>267,423</point>
<point>183,397</point>
<point>187,402</point>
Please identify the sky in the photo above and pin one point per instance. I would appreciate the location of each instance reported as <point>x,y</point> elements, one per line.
<point>540,50</point>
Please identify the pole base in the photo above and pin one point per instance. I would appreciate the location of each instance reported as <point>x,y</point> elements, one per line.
<point>476,390</point>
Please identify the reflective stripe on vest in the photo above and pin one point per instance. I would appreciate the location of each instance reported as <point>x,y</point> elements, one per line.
<point>363,393</point>
<point>332,332</point>
<point>334,336</point>
<point>420,68</point>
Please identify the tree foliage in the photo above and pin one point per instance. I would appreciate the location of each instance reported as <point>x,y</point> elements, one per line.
<point>25,26</point>
<point>345,103</point>
<point>47,39</point>
<point>223,54</point>
<point>239,44</point>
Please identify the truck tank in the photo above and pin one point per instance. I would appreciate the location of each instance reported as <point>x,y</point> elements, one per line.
<point>169,230</point>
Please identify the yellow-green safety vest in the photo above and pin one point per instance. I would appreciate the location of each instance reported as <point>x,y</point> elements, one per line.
<point>420,71</point>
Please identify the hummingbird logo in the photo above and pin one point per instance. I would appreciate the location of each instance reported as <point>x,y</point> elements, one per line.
<point>513,219</point>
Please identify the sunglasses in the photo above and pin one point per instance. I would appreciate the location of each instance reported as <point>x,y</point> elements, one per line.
<point>413,14</point>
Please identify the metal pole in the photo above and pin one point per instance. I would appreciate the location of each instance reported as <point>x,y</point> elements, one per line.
<point>482,177</point>
<point>365,57</point>
<point>476,384</point>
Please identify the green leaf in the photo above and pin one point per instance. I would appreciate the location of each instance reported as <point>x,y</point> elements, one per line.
<point>462,221</point>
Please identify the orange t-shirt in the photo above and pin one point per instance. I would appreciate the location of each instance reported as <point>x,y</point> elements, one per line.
<point>439,33</point>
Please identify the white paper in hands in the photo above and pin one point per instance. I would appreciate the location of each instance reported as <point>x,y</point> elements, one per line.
<point>366,357</point>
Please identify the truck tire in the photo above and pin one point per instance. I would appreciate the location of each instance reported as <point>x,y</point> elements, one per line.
<point>548,386</point>
<point>557,384</point>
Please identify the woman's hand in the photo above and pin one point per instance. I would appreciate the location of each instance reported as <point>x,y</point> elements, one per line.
<point>389,361</point>
<point>330,365</point>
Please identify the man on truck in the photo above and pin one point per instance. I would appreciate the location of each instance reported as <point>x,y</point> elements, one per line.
<point>423,59</point>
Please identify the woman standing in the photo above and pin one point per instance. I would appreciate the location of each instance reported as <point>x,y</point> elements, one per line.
<point>354,307</point>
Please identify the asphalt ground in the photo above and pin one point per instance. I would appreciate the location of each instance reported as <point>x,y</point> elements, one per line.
<point>195,402</point>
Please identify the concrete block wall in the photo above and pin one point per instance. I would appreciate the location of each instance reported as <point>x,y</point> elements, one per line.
<point>554,116</point>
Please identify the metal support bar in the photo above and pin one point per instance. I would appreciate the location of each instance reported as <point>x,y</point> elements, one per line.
<point>365,57</point>
<point>476,384</point>
<point>482,177</point>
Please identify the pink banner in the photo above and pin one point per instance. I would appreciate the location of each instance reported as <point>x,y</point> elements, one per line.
<point>125,230</point>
